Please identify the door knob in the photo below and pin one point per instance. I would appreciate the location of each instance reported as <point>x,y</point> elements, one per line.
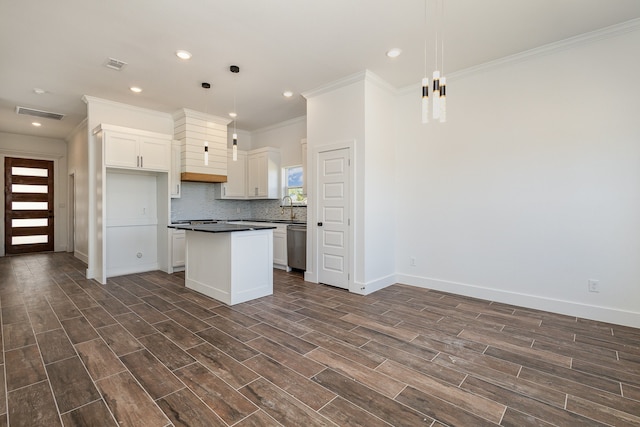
<point>319,224</point>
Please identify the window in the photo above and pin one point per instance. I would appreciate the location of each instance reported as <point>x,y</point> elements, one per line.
<point>293,179</point>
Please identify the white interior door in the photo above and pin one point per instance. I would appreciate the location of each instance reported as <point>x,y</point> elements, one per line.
<point>333,217</point>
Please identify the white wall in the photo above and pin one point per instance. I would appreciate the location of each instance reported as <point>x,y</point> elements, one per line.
<point>33,147</point>
<point>533,186</point>
<point>286,136</point>
<point>78,159</point>
<point>379,186</point>
<point>335,117</point>
<point>358,112</point>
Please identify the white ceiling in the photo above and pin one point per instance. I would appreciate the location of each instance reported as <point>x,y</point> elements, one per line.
<point>297,45</point>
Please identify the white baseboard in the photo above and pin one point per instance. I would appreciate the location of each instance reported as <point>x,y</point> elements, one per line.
<point>141,268</point>
<point>310,276</point>
<point>374,285</point>
<point>569,308</point>
<point>81,256</point>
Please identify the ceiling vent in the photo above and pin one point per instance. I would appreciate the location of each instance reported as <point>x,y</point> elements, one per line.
<point>115,64</point>
<point>39,113</point>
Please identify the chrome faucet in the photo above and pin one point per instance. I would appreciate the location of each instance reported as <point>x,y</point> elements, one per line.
<point>290,206</point>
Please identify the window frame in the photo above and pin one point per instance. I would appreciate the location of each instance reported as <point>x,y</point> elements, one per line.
<point>285,187</point>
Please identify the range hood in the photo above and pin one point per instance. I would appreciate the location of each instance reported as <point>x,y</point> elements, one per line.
<point>198,133</point>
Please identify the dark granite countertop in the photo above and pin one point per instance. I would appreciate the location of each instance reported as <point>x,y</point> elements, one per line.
<point>221,227</point>
<point>275,221</point>
<point>222,221</point>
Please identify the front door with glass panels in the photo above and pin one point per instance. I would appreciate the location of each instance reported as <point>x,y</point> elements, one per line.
<point>28,213</point>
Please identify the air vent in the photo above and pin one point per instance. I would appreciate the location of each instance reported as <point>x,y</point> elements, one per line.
<point>115,64</point>
<point>39,113</point>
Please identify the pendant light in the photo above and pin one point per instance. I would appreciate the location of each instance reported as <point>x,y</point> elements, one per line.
<point>234,69</point>
<point>443,80</point>
<point>206,85</point>
<point>439,82</point>
<point>425,80</point>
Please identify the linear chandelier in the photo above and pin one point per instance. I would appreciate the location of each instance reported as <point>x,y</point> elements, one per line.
<point>439,106</point>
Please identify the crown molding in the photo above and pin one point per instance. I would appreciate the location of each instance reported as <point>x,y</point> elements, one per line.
<point>371,77</point>
<point>336,84</point>
<point>295,120</point>
<point>78,128</point>
<point>579,40</point>
<point>185,112</point>
<point>362,76</point>
<point>87,99</point>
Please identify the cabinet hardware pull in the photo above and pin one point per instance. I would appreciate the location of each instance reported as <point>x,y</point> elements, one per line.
<point>141,160</point>
<point>137,161</point>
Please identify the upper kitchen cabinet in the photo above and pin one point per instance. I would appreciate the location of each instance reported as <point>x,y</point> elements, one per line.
<point>263,176</point>
<point>236,185</point>
<point>203,146</point>
<point>135,149</point>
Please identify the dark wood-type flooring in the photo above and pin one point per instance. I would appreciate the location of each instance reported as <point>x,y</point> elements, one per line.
<point>145,351</point>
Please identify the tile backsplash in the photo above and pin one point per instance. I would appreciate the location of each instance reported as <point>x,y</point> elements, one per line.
<point>197,201</point>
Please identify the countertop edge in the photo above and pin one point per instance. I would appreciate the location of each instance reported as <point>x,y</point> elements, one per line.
<point>220,228</point>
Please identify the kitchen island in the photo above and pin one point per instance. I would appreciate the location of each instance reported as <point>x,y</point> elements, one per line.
<point>231,263</point>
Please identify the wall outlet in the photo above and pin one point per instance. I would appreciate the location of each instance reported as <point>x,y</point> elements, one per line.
<point>237,210</point>
<point>412,261</point>
<point>594,285</point>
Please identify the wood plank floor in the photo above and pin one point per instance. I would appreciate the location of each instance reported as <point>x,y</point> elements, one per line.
<point>145,351</point>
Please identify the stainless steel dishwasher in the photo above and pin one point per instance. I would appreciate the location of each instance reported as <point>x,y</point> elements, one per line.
<point>297,246</point>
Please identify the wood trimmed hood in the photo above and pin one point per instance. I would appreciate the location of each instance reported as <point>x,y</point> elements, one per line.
<point>199,132</point>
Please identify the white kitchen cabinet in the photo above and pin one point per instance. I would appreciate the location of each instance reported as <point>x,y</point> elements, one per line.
<point>263,176</point>
<point>132,206</point>
<point>280,247</point>
<point>177,249</point>
<point>236,185</point>
<point>136,151</point>
<point>174,176</point>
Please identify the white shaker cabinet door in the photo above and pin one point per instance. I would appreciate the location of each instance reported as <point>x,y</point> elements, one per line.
<point>121,150</point>
<point>155,154</point>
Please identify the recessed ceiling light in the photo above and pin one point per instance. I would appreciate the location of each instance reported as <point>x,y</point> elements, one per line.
<point>287,94</point>
<point>135,89</point>
<point>183,54</point>
<point>36,124</point>
<point>394,53</point>
<point>234,115</point>
<point>39,91</point>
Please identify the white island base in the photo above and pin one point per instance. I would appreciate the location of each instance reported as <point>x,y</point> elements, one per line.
<point>230,267</point>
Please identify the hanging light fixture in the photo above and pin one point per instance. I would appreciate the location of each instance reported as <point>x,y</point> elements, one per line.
<point>443,80</point>
<point>206,85</point>
<point>425,80</point>
<point>234,69</point>
<point>439,108</point>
